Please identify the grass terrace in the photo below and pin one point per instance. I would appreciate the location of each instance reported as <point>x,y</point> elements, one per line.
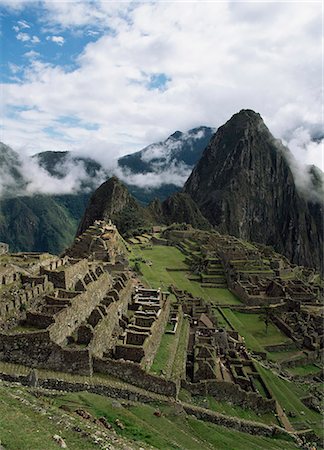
<point>171,430</point>
<point>253,329</point>
<point>289,395</point>
<point>155,274</point>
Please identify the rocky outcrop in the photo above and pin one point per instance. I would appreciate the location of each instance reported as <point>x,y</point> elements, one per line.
<point>113,201</point>
<point>179,208</point>
<point>244,186</point>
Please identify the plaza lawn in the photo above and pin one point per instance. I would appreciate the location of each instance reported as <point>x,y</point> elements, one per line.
<point>253,329</point>
<point>160,257</point>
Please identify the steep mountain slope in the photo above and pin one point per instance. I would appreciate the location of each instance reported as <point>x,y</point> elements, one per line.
<point>178,208</point>
<point>37,223</point>
<point>11,178</point>
<point>244,186</point>
<point>113,201</point>
<point>179,148</point>
<point>23,229</point>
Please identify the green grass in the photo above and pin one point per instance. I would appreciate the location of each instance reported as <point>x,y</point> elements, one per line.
<point>173,430</point>
<point>289,395</point>
<point>309,369</point>
<point>253,329</point>
<point>163,354</point>
<point>181,353</point>
<point>281,356</point>
<point>227,408</point>
<point>156,275</point>
<point>23,427</point>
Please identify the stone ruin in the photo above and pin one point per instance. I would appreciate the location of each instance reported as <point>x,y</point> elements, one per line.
<point>213,353</point>
<point>100,242</point>
<point>79,309</point>
<point>142,326</point>
<point>305,328</point>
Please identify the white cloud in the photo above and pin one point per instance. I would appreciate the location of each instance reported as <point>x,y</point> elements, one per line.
<point>59,40</point>
<point>24,37</point>
<point>219,58</point>
<point>32,54</point>
<point>14,68</point>
<point>35,40</point>
<point>176,174</point>
<point>22,24</point>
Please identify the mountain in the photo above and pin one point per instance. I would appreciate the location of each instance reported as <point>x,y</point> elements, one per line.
<point>38,222</point>
<point>23,228</point>
<point>113,201</point>
<point>11,179</point>
<point>169,162</point>
<point>244,186</point>
<point>178,149</point>
<point>178,208</point>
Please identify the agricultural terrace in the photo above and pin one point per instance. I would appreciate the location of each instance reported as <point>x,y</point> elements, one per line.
<point>154,264</point>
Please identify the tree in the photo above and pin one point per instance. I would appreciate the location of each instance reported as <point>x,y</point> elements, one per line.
<point>265,316</point>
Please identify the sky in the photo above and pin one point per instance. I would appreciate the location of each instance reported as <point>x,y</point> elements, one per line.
<point>105,79</point>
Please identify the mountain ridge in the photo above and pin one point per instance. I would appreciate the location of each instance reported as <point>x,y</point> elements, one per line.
<point>244,186</point>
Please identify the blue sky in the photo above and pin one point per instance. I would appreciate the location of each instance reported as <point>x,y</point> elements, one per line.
<point>25,36</point>
<point>108,78</point>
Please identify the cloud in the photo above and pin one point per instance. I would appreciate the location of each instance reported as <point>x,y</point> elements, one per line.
<point>31,54</point>
<point>73,180</point>
<point>59,40</point>
<point>217,57</point>
<point>22,24</point>
<point>25,37</point>
<point>306,152</point>
<point>176,174</point>
<point>35,40</point>
<point>24,176</point>
<point>14,68</point>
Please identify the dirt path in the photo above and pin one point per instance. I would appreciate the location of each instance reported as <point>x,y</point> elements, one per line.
<point>284,419</point>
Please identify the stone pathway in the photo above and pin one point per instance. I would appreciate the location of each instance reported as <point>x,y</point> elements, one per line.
<point>284,419</point>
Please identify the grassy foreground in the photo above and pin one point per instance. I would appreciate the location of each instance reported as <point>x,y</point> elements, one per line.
<point>29,423</point>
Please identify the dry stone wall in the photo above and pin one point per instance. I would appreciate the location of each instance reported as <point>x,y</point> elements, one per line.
<point>132,373</point>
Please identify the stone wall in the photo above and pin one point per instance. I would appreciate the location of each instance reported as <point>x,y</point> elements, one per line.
<point>102,338</point>
<point>230,392</point>
<point>38,320</point>
<point>152,343</point>
<point>283,327</point>
<point>132,373</point>
<point>69,319</point>
<point>13,305</point>
<point>69,275</point>
<point>244,426</point>
<point>281,347</point>
<point>35,349</point>
<point>306,358</point>
<point>252,300</point>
